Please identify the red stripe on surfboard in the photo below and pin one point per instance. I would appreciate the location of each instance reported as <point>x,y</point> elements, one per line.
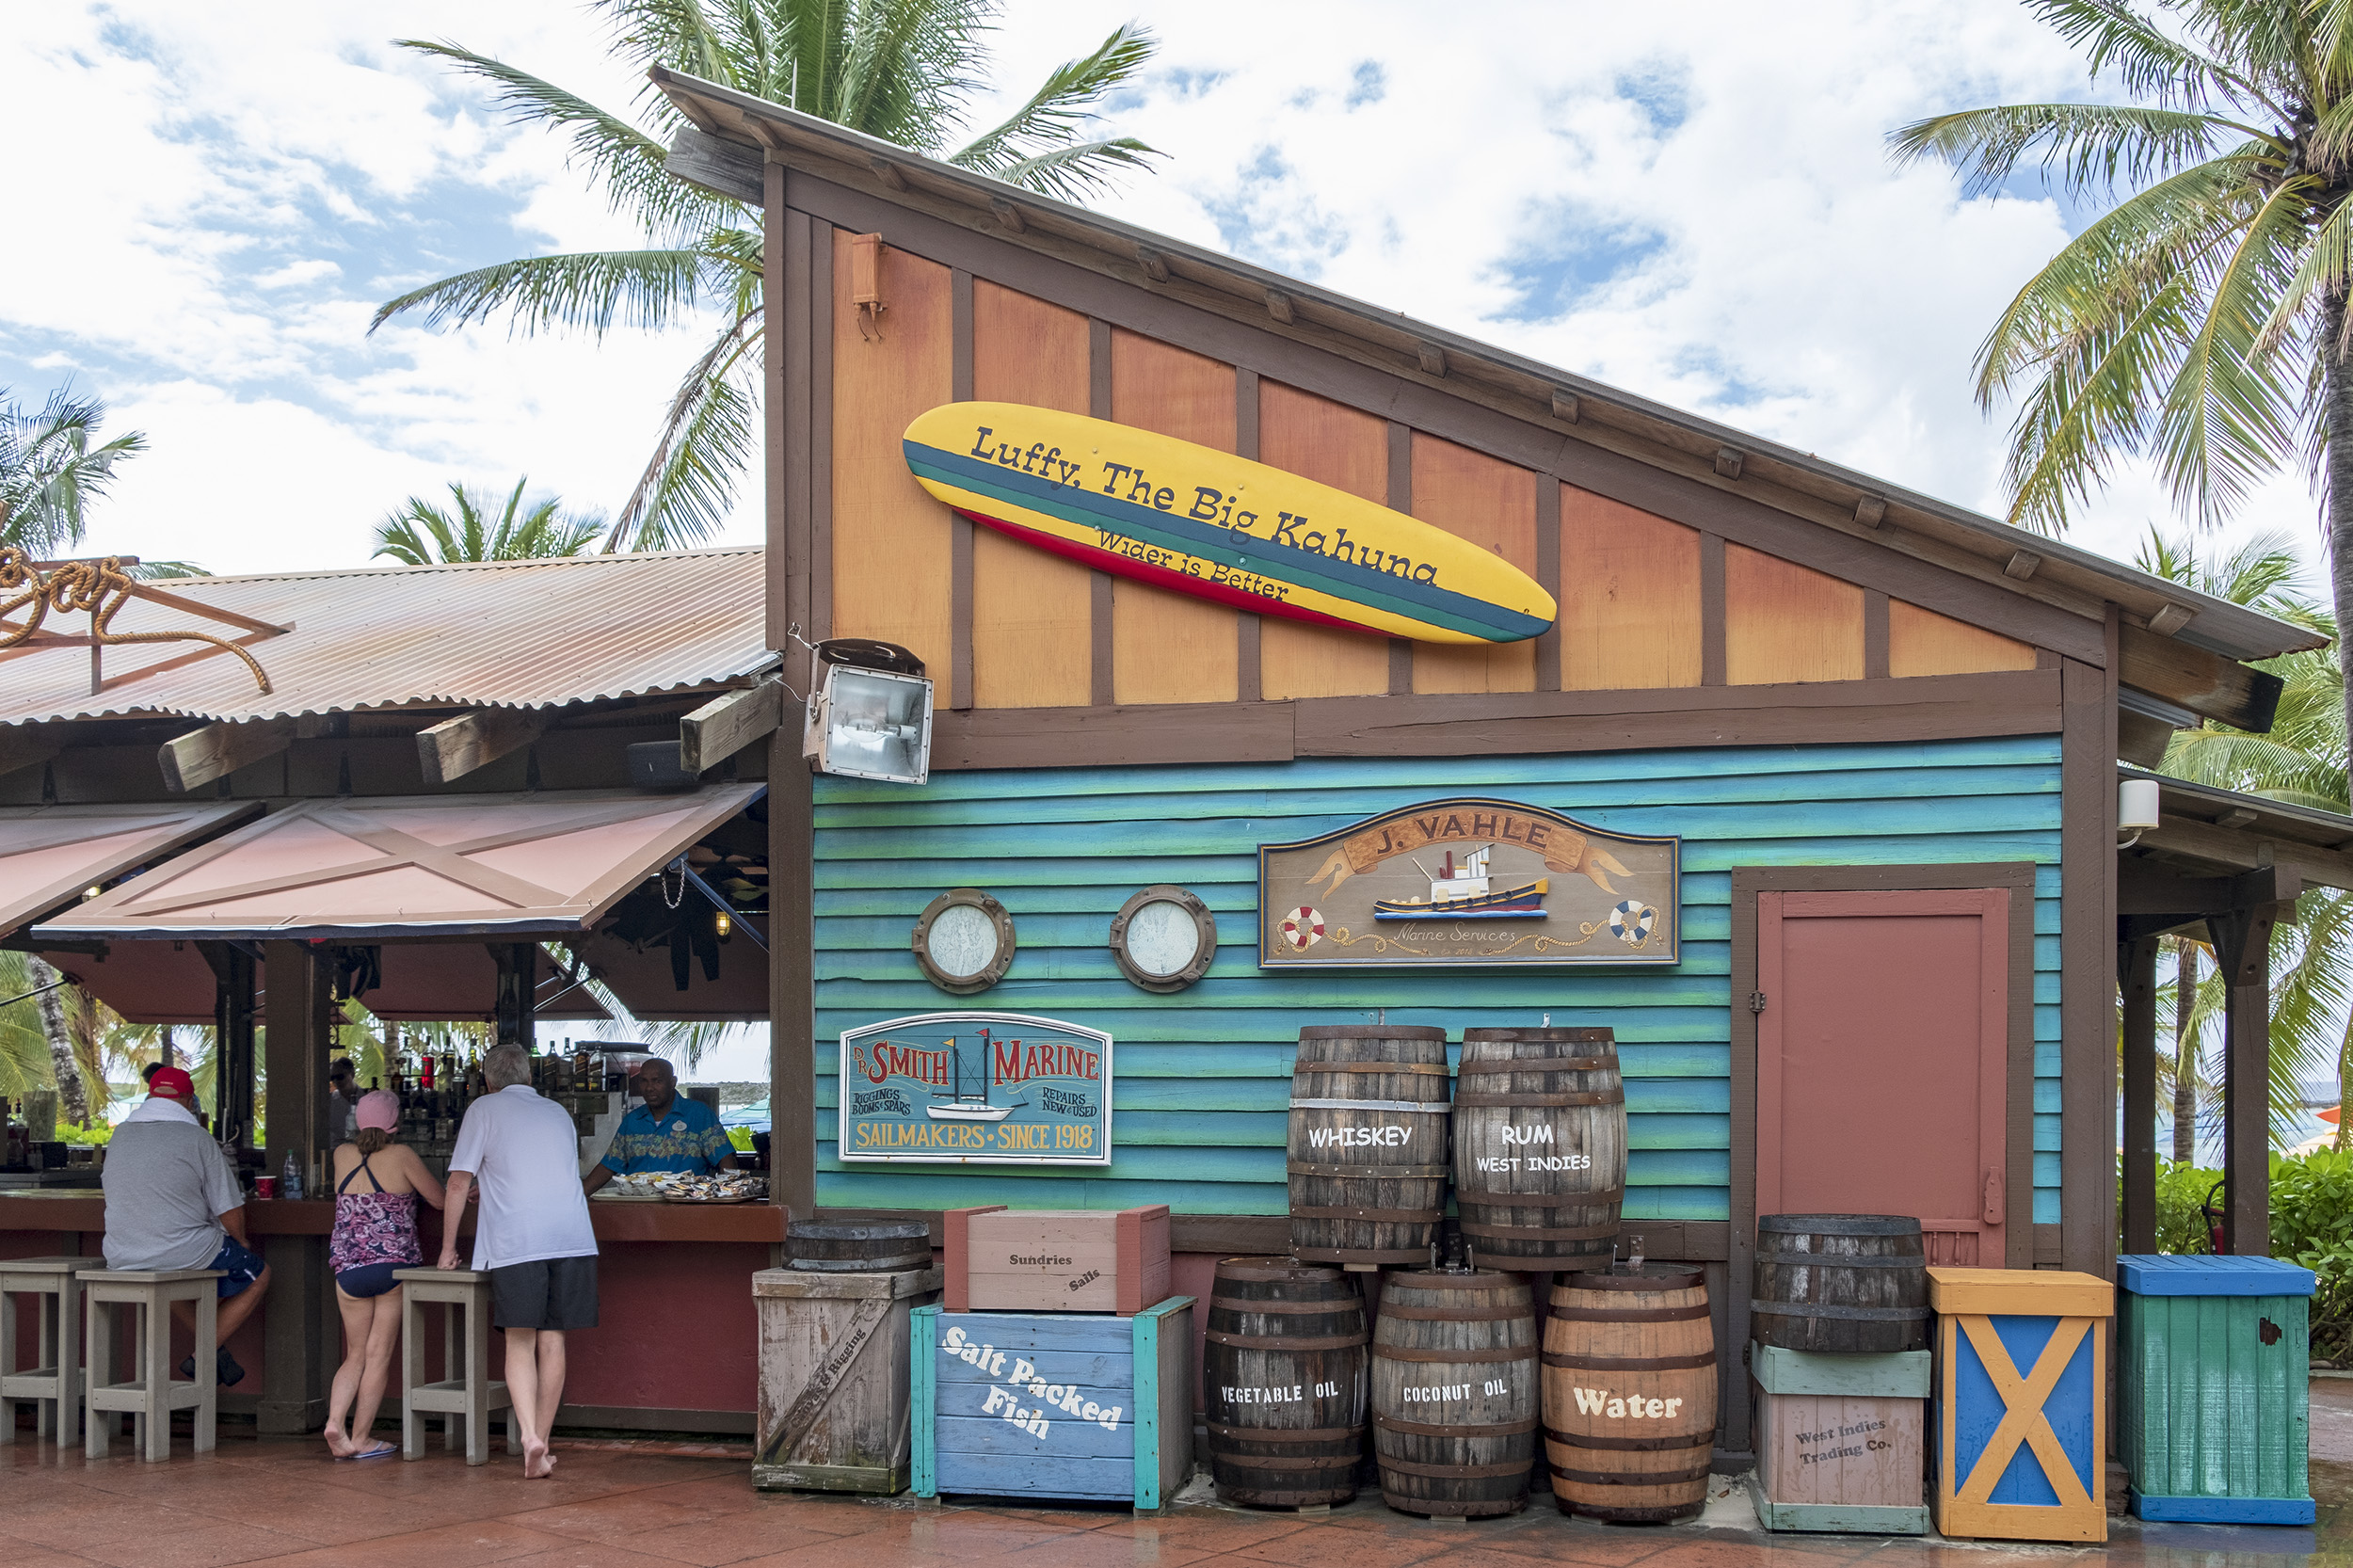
<point>1161,577</point>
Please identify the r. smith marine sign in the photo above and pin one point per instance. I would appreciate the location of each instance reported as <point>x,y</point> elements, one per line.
<point>976,1088</point>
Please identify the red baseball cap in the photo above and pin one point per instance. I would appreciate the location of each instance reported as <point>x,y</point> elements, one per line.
<point>172,1084</point>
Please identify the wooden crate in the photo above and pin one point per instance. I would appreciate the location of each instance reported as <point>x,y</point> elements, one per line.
<point>1003,1259</point>
<point>2027,1342</point>
<point>1039,1404</point>
<point>2213,1357</point>
<point>1840,1441</point>
<point>833,1378</point>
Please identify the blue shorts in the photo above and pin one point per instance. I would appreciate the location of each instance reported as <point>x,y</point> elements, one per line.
<point>370,1279</point>
<point>239,1266</point>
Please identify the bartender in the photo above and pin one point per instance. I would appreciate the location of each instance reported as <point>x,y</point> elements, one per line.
<point>665,1133</point>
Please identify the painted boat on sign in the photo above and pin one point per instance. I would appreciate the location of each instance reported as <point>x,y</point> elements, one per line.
<point>1467,892</point>
<point>1200,522</point>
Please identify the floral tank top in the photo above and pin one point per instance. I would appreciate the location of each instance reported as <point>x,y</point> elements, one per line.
<point>373,1227</point>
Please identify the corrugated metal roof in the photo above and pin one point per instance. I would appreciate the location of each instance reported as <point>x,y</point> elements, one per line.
<point>507,634</point>
<point>1797,482</point>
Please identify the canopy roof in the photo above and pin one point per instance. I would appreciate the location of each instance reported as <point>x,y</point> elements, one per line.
<point>50,853</point>
<point>2206,831</point>
<point>358,870</point>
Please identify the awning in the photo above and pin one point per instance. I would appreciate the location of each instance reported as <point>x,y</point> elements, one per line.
<point>492,866</point>
<point>48,854</point>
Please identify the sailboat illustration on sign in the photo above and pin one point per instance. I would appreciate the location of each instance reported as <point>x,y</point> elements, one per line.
<point>962,1106</point>
<point>1466,892</point>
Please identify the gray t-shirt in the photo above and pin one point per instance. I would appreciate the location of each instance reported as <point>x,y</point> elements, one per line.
<point>167,1186</point>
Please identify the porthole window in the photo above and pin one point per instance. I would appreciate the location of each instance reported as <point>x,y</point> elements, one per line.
<point>1165,938</point>
<point>964,941</point>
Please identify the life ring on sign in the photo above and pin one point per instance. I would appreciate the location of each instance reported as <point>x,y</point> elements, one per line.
<point>1302,928</point>
<point>1631,922</point>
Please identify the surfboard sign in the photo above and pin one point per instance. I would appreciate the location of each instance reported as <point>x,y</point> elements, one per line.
<point>1201,521</point>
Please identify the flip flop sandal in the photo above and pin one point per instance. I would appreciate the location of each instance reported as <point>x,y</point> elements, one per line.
<point>382,1450</point>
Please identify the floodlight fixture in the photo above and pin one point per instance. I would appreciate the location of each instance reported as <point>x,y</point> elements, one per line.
<point>871,715</point>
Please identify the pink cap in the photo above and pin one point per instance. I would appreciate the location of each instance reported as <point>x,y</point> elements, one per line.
<point>380,1110</point>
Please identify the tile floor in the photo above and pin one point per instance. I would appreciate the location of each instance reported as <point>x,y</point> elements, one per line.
<point>279,1501</point>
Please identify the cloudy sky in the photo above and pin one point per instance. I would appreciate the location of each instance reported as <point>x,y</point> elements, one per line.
<point>1692,203</point>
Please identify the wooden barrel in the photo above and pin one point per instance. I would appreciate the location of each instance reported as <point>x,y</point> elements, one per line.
<point>870,1246</point>
<point>1454,1392</point>
<point>1851,1283</point>
<point>1368,1143</point>
<point>1539,1146</point>
<point>1630,1392</point>
<point>1283,1374</point>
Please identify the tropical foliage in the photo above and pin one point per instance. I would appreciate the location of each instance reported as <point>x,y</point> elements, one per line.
<point>474,527</point>
<point>52,465</point>
<point>2312,1224</point>
<point>904,70</point>
<point>2203,321</point>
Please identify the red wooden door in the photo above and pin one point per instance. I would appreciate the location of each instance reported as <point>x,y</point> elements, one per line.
<point>1882,1060</point>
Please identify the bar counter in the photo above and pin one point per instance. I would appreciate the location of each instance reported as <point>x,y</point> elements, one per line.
<point>676,1348</point>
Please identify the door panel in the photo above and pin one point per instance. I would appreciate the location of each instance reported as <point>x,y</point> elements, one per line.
<point>1882,1060</point>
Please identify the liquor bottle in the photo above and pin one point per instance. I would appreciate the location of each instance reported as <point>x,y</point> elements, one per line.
<point>425,1081</point>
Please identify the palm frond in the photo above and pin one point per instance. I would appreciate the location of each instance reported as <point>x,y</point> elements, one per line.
<point>52,466</point>
<point>688,487</point>
<point>589,290</point>
<point>421,533</point>
<point>2151,61</point>
<point>1037,147</point>
<point>2086,147</point>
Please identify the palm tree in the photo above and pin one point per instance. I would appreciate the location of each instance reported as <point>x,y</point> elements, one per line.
<point>901,69</point>
<point>50,465</point>
<point>2204,320</point>
<point>2300,760</point>
<point>421,533</point>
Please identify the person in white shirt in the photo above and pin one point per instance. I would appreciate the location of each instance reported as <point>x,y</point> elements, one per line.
<point>343,1097</point>
<point>533,1237</point>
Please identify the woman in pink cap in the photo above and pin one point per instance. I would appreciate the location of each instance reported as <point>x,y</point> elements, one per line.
<point>376,1232</point>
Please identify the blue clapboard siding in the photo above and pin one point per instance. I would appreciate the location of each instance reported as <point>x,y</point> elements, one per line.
<point>1203,1076</point>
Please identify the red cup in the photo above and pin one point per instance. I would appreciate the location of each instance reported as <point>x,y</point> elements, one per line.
<point>264,1187</point>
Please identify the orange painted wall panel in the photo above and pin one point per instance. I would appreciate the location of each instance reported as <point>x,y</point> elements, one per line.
<point>1629,597</point>
<point>1787,622</point>
<point>1167,647</point>
<point>1032,641</point>
<point>1492,503</point>
<point>892,573</point>
<point>1921,642</point>
<point>1348,450</point>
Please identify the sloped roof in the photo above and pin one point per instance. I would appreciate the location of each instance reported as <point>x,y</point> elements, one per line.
<point>738,131</point>
<point>512,634</point>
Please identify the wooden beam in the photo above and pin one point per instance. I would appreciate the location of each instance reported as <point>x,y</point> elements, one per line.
<point>1433,359</point>
<point>727,724</point>
<point>1564,407</point>
<point>2172,618</point>
<point>1870,511</point>
<point>723,168</point>
<point>2241,947</point>
<point>1729,462</point>
<point>2142,889</point>
<point>2139,963</point>
<point>1155,265</point>
<point>2141,739</point>
<point>2022,565</point>
<point>218,750</point>
<point>2202,841</point>
<point>455,747</point>
<point>1278,305</point>
<point>1008,215</point>
<point>2205,683</point>
<point>22,745</point>
<point>887,172</point>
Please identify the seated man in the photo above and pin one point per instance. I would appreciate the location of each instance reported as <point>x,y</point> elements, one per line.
<point>171,1202</point>
<point>666,1134</point>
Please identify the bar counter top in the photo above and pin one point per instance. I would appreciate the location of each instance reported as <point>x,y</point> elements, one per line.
<point>68,1209</point>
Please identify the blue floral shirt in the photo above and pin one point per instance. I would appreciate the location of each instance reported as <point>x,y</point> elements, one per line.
<point>687,1137</point>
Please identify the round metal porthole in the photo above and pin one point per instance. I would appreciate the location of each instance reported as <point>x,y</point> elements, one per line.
<point>964,941</point>
<point>1165,938</point>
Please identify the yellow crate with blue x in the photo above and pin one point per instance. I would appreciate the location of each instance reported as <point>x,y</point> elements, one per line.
<point>2019,1422</point>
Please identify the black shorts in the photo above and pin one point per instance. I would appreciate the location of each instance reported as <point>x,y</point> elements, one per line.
<point>550,1292</point>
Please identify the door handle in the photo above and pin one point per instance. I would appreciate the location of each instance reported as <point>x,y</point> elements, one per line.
<point>1992,1195</point>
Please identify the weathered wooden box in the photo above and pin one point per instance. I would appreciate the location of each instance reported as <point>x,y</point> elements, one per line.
<point>1056,1260</point>
<point>2020,1355</point>
<point>1030,1404</point>
<point>2214,1355</point>
<point>1840,1440</point>
<point>833,1378</point>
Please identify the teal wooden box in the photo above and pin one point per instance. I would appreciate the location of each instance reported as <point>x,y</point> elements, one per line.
<point>1053,1404</point>
<point>2214,1354</point>
<point>1840,1441</point>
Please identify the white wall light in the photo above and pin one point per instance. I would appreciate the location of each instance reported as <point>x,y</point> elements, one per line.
<point>2135,808</point>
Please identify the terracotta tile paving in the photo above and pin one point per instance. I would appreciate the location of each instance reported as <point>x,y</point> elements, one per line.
<point>615,1504</point>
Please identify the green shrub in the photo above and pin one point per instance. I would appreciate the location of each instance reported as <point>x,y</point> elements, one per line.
<point>2312,1224</point>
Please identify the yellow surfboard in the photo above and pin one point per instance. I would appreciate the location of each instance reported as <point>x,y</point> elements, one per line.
<point>1205,522</point>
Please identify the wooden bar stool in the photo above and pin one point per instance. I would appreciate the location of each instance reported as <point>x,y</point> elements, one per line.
<point>154,1393</point>
<point>464,1294</point>
<point>53,1385</point>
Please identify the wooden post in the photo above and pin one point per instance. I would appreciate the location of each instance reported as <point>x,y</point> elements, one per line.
<point>518,968</point>
<point>233,1027</point>
<point>792,986</point>
<point>294,1374</point>
<point>2241,945</point>
<point>2139,963</point>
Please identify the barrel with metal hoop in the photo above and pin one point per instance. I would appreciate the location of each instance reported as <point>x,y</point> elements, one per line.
<point>1455,1400</point>
<point>1283,1374</point>
<point>1630,1392</point>
<point>867,1246</point>
<point>1856,1283</point>
<point>1367,1156</point>
<point>1540,1145</point>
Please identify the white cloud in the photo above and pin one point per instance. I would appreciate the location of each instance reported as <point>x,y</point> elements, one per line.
<point>1691,203</point>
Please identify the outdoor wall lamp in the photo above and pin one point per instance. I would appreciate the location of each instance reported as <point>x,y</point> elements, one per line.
<point>2135,808</point>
